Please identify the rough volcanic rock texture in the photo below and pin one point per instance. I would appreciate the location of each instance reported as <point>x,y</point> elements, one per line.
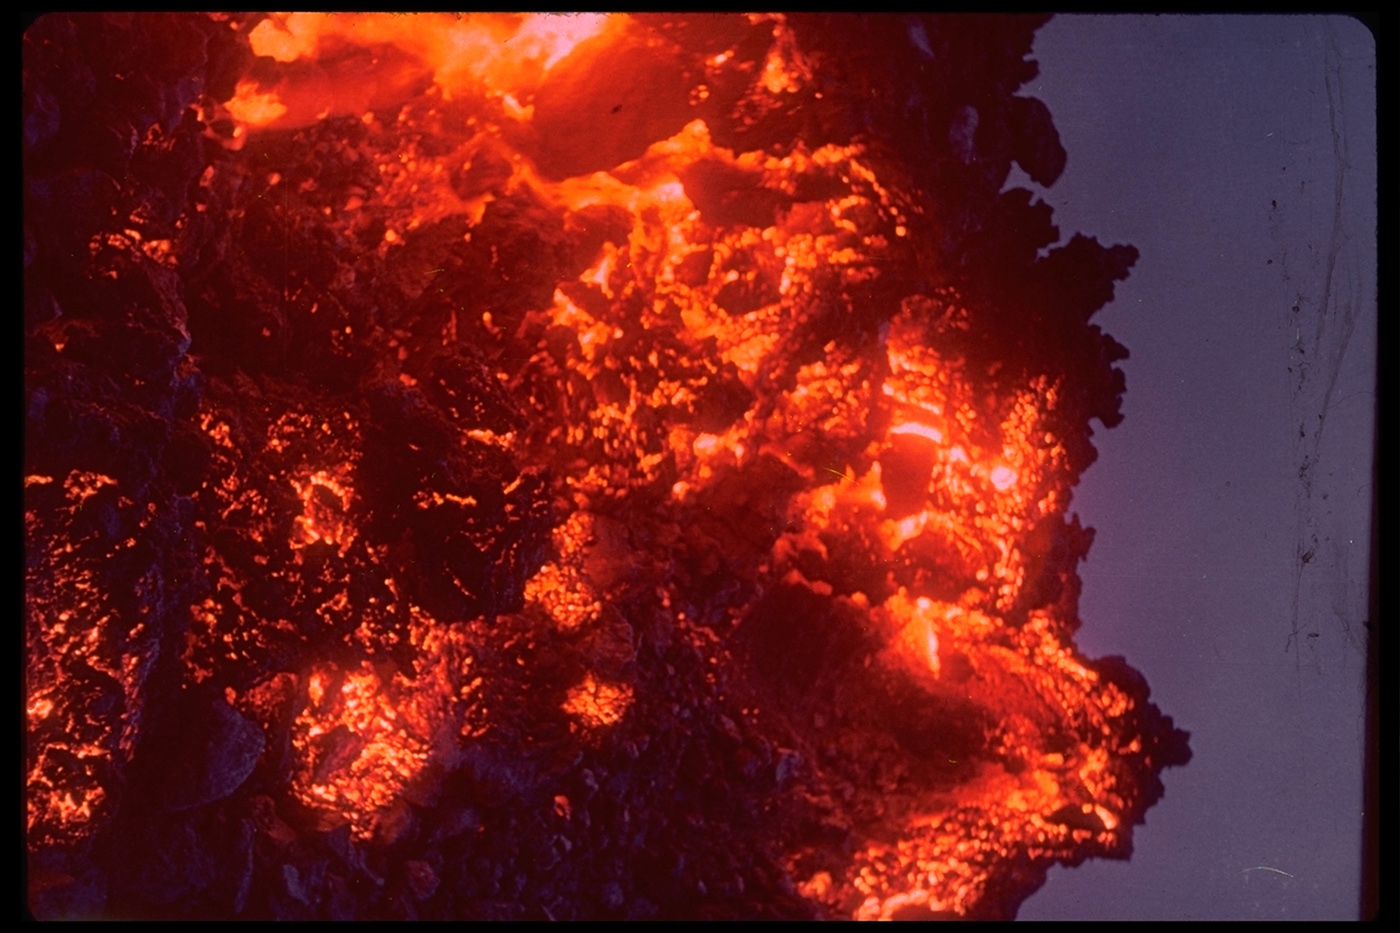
<point>500,467</point>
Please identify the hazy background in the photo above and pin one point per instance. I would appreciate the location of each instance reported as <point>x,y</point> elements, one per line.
<point>1238,154</point>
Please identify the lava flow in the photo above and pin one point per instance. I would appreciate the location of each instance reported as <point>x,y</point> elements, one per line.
<point>504,466</point>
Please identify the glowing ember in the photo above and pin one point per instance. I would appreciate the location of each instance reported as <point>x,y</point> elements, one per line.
<point>323,516</point>
<point>598,704</point>
<point>358,755</point>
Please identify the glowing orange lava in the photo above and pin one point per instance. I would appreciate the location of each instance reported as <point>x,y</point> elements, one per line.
<point>736,422</point>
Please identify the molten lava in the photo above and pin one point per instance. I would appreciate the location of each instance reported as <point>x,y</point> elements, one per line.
<point>615,465</point>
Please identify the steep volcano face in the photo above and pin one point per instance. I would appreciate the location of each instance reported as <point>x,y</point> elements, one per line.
<point>534,466</point>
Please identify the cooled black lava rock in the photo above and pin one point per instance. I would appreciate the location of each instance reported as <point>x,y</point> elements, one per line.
<point>217,750</point>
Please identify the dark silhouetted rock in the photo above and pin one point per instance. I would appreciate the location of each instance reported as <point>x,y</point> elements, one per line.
<point>218,752</point>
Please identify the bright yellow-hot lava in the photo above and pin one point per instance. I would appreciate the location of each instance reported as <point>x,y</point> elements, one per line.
<point>502,54</point>
<point>250,105</point>
<point>919,634</point>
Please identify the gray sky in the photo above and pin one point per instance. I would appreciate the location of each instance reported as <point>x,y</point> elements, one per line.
<point>1239,155</point>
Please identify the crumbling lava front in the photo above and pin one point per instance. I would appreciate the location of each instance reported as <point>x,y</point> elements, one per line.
<point>505,466</point>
